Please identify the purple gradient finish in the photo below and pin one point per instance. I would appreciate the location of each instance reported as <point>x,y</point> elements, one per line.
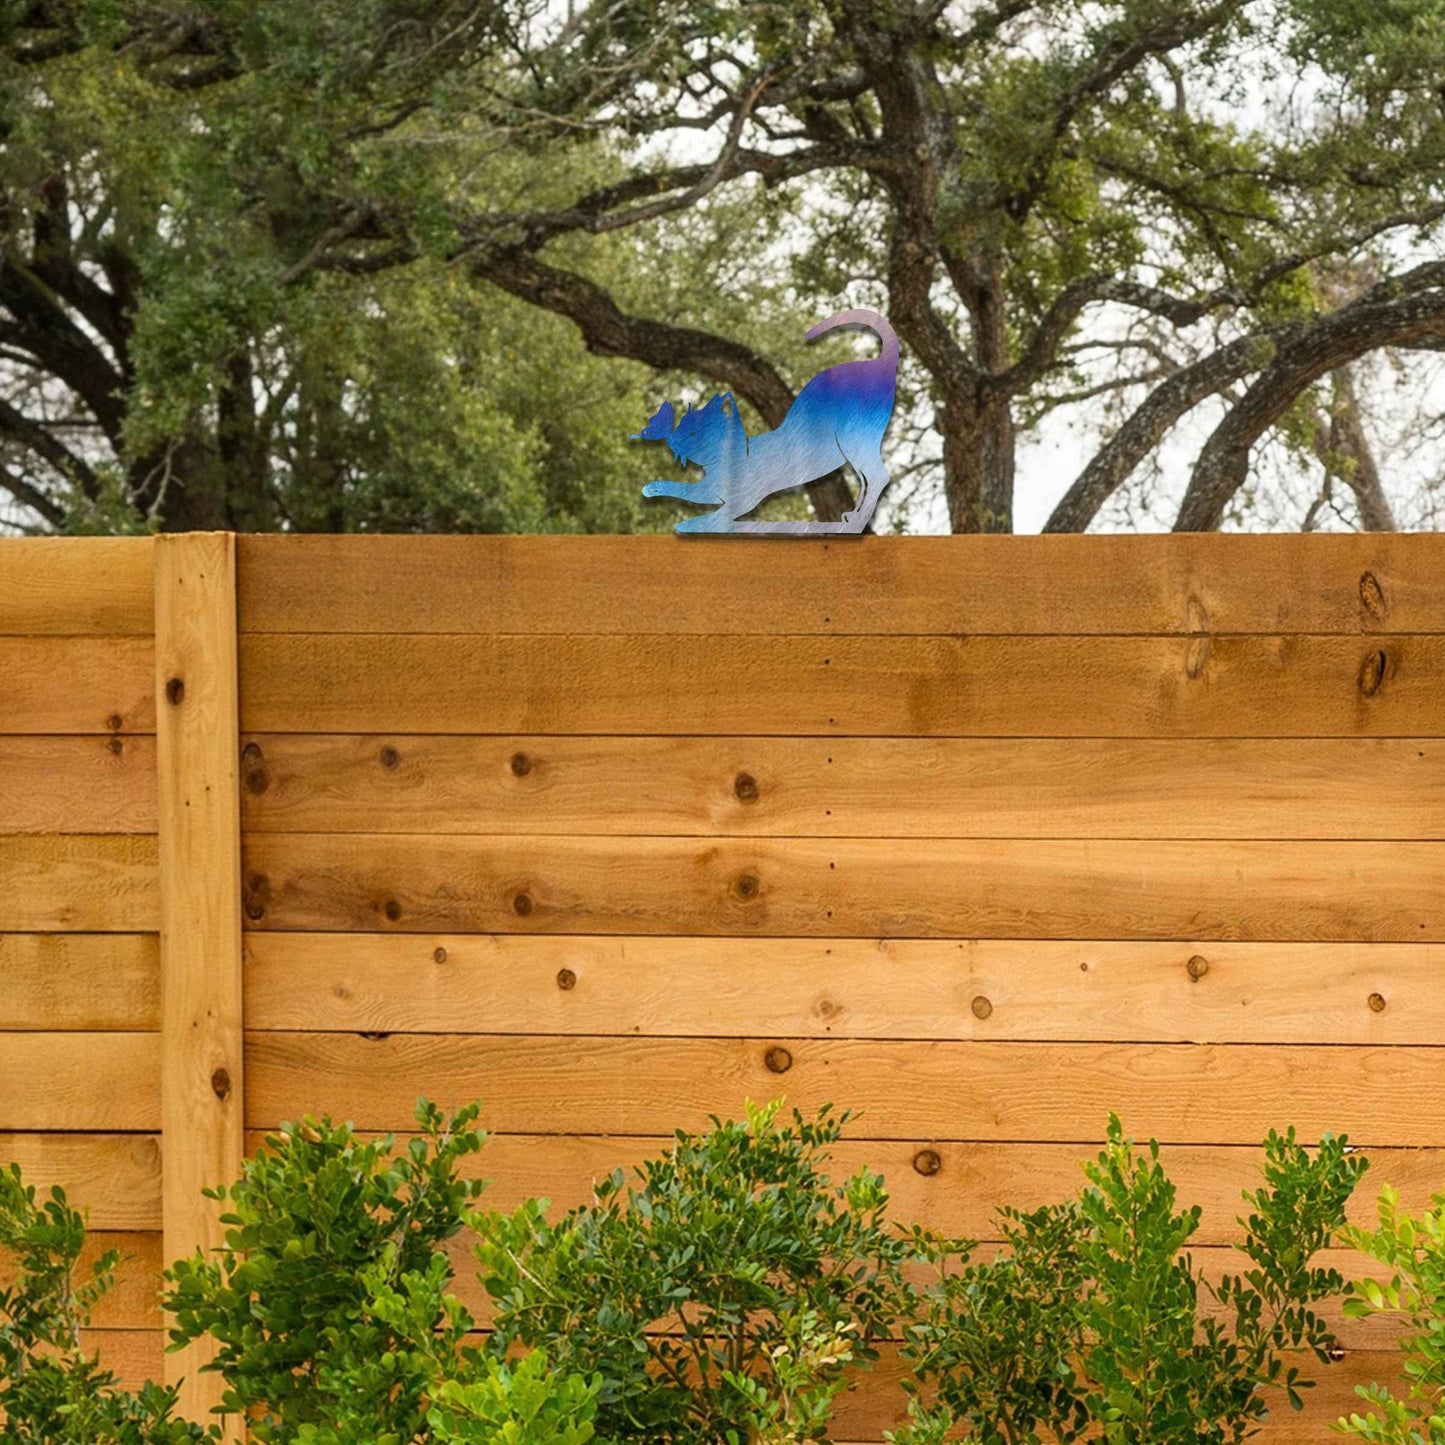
<point>840,416</point>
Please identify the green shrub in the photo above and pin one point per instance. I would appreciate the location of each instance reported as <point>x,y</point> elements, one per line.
<point>1093,1319</point>
<point>53,1392</point>
<point>1413,1250</point>
<point>722,1295</point>
<point>330,1301</point>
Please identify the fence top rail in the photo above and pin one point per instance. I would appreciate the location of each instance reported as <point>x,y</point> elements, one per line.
<point>889,585</point>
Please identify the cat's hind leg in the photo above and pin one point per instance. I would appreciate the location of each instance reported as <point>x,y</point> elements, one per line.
<point>872,478</point>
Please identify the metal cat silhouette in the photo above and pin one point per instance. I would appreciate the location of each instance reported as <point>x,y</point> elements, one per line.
<point>839,417</point>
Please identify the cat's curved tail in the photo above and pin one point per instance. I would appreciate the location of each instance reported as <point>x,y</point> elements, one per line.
<point>875,323</point>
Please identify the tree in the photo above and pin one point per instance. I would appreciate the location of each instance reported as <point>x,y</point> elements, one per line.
<point>1142,205</point>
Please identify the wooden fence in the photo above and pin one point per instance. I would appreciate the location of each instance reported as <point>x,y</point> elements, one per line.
<point>983,837</point>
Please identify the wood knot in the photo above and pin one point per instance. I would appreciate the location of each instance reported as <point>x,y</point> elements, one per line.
<point>438,955</point>
<point>566,980</point>
<point>522,905</point>
<point>1372,596</point>
<point>221,1083</point>
<point>746,886</point>
<point>376,1036</point>
<point>745,786</point>
<point>1335,1351</point>
<point>115,722</point>
<point>391,910</point>
<point>255,778</point>
<point>175,691</point>
<point>521,765</point>
<point>116,746</point>
<point>257,895</point>
<point>927,1162</point>
<point>1196,659</point>
<point>1377,1003</point>
<point>1372,672</point>
<point>1197,967</point>
<point>981,1007</point>
<point>389,758</point>
<point>1196,615</point>
<point>252,754</point>
<point>778,1060</point>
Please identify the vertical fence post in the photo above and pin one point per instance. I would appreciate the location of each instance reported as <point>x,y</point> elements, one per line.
<point>197,727</point>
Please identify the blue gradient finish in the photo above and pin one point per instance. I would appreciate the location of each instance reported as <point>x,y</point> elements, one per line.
<point>840,416</point>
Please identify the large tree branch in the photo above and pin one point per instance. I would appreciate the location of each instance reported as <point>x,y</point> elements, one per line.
<point>1326,346</point>
<point>607,330</point>
<point>1123,453</point>
<point>32,435</point>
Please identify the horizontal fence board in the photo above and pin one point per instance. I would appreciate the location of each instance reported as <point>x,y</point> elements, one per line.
<point>133,1301</point>
<point>847,787</point>
<point>847,988</point>
<point>955,1187</point>
<point>882,584</point>
<point>1190,1094</point>
<point>77,785</point>
<point>876,1402</point>
<point>858,887</point>
<point>88,883</point>
<point>77,685</point>
<point>79,981</point>
<point>80,1081</point>
<point>114,1178</point>
<point>98,586</point>
<point>1306,686</point>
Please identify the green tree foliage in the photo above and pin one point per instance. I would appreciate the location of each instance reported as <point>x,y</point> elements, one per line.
<point>720,1296</point>
<point>1413,1250</point>
<point>324,265</point>
<point>1093,1321</point>
<point>52,1390</point>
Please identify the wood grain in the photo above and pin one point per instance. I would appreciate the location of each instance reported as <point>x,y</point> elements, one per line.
<point>133,1301</point>
<point>97,586</point>
<point>77,785</point>
<point>114,1178</point>
<point>859,887</point>
<point>1183,1093</point>
<point>80,1081</point>
<point>79,981</point>
<point>945,1184</point>
<point>1111,584</point>
<point>202,1094</point>
<point>1031,989</point>
<point>1344,788</point>
<point>76,685</point>
<point>1304,686</point>
<point>89,883</point>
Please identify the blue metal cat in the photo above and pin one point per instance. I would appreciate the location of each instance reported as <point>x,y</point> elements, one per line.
<point>840,416</point>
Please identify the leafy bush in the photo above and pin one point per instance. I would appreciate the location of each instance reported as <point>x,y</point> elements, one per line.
<point>52,1390</point>
<point>1093,1318</point>
<point>1414,1251</point>
<point>719,1297</point>
<point>330,1302</point>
